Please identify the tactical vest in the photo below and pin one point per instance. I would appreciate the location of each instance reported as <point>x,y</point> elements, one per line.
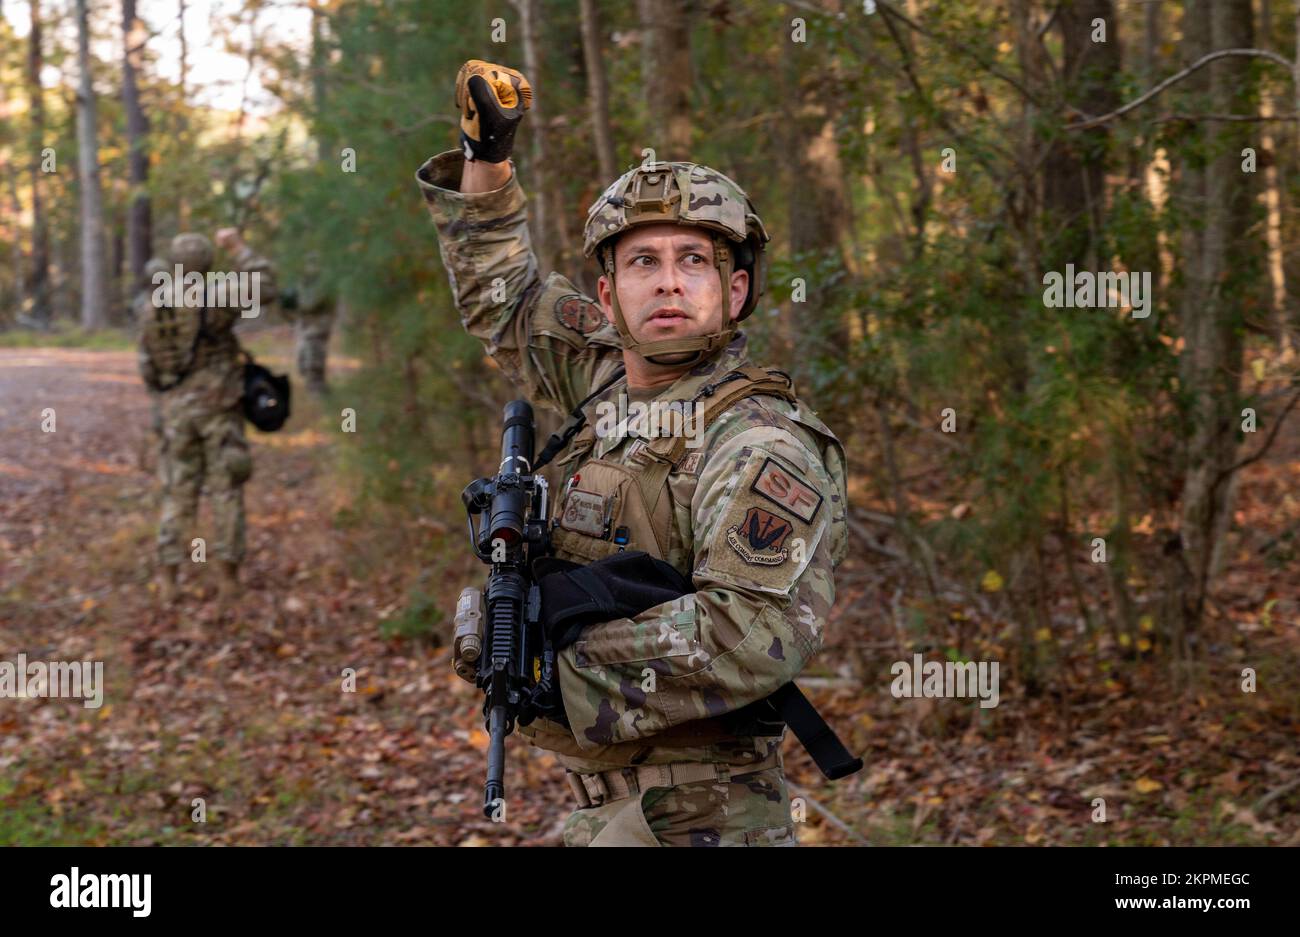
<point>608,507</point>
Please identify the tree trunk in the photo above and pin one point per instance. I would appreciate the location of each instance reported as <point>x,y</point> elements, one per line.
<point>38,282</point>
<point>94,298</point>
<point>319,61</point>
<point>139,223</point>
<point>15,247</point>
<point>1075,171</point>
<point>545,244</point>
<point>1212,312</point>
<point>182,208</point>
<point>666,75</point>
<point>597,91</point>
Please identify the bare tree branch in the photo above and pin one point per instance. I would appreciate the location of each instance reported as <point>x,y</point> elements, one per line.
<point>1254,118</point>
<point>1259,453</point>
<point>830,817</point>
<point>1179,76</point>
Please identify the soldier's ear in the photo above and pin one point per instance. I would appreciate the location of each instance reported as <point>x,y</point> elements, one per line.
<point>739,291</point>
<point>606,301</point>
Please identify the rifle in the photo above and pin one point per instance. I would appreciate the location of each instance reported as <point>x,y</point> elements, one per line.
<point>505,651</point>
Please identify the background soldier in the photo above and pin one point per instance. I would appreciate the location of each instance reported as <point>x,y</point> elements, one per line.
<point>141,310</point>
<point>191,358</point>
<point>755,518</point>
<point>312,308</point>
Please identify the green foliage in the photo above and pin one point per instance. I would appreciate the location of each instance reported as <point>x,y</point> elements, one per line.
<point>77,337</point>
<point>419,619</point>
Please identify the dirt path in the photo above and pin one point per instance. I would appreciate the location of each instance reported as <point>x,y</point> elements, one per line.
<point>252,718</point>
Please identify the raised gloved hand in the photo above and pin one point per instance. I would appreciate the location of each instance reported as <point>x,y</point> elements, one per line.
<point>619,586</point>
<point>492,100</point>
<point>228,239</point>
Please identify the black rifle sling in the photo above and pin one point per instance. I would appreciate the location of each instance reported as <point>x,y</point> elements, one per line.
<point>813,733</point>
<point>574,424</point>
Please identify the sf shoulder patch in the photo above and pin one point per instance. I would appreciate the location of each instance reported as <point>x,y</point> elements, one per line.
<point>578,313</point>
<point>783,487</point>
<point>766,527</point>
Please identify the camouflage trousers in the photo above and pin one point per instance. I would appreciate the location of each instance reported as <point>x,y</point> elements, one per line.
<point>312,335</point>
<point>750,809</point>
<point>202,449</point>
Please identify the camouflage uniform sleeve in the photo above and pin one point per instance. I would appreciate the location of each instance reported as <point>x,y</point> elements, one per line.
<point>148,372</point>
<point>763,577</point>
<point>248,260</point>
<point>550,340</point>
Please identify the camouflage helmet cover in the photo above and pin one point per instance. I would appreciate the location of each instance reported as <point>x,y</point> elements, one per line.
<point>192,251</point>
<point>654,193</point>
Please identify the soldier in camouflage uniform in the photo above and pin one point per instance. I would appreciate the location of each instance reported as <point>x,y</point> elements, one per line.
<point>191,360</point>
<point>313,318</point>
<point>141,309</point>
<point>755,516</point>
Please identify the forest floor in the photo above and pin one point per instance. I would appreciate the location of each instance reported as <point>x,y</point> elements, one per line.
<point>248,720</point>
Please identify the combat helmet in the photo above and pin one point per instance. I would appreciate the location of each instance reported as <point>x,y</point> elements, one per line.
<point>152,268</point>
<point>191,251</point>
<point>686,194</point>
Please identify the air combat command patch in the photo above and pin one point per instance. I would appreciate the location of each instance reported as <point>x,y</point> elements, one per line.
<point>759,538</point>
<point>767,527</point>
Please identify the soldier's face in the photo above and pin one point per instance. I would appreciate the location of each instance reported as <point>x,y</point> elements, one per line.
<point>667,284</point>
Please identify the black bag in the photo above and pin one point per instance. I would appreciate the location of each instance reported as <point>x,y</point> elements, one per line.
<point>266,397</point>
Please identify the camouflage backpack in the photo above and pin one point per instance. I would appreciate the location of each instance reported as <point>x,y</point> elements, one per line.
<point>171,334</point>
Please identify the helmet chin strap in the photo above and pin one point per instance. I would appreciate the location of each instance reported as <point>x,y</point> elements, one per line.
<point>701,347</point>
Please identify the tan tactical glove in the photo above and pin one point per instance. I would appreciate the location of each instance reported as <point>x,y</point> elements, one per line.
<point>491,100</point>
